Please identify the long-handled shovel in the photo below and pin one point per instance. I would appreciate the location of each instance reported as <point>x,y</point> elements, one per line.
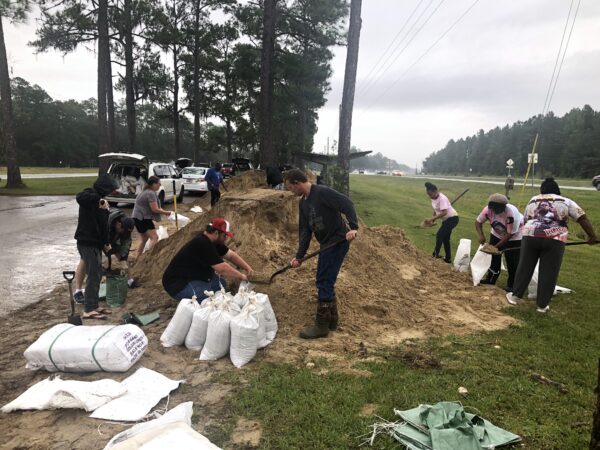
<point>489,250</point>
<point>74,319</point>
<point>289,266</point>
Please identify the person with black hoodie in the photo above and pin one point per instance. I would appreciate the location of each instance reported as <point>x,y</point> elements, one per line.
<point>92,238</point>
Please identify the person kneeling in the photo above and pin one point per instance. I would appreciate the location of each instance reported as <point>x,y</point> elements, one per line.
<point>199,265</point>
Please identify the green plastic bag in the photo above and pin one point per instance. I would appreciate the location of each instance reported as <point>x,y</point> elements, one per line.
<point>116,289</point>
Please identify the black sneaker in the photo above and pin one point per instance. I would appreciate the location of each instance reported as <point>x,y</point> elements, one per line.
<point>134,284</point>
<point>79,298</point>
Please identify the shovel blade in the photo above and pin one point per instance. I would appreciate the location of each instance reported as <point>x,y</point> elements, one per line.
<point>74,320</point>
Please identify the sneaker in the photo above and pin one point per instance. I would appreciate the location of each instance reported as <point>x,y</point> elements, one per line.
<point>512,299</point>
<point>543,310</point>
<point>79,297</point>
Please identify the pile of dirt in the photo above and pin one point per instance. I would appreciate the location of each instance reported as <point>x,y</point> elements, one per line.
<point>388,290</point>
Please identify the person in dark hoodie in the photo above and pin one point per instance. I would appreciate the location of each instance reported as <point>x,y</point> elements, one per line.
<point>274,177</point>
<point>92,238</point>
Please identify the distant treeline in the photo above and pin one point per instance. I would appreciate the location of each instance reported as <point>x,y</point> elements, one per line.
<point>568,146</point>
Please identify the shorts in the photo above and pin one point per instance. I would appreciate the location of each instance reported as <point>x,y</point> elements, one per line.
<point>143,225</point>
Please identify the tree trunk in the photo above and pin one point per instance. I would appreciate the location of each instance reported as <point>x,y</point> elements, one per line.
<point>342,179</point>
<point>110,104</point>
<point>267,153</point>
<point>13,173</point>
<point>196,81</point>
<point>229,132</point>
<point>176,101</point>
<point>103,139</point>
<point>595,442</point>
<point>129,66</point>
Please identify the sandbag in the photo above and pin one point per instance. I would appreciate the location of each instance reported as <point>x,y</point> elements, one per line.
<point>244,336</point>
<point>533,285</point>
<point>270,319</point>
<point>116,288</point>
<point>179,325</point>
<point>479,265</point>
<point>218,334</point>
<point>162,234</point>
<point>56,393</point>
<point>172,430</point>
<point>463,256</point>
<point>69,348</point>
<point>196,336</point>
<point>258,311</point>
<point>181,219</point>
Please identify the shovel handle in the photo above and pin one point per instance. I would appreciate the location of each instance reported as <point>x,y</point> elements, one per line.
<point>566,244</point>
<point>69,275</point>
<point>322,249</point>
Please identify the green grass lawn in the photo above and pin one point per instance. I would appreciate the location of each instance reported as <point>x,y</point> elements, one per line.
<point>299,408</point>
<point>50,186</point>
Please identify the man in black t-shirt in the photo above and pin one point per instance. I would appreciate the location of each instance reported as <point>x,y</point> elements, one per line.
<point>321,210</point>
<point>199,265</point>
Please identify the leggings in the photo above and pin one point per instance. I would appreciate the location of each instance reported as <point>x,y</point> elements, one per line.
<point>443,237</point>
<point>512,262</point>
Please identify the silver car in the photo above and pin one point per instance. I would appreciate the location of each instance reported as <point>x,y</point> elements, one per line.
<point>193,179</point>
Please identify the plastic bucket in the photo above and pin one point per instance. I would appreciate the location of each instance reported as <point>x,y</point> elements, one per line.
<point>116,289</point>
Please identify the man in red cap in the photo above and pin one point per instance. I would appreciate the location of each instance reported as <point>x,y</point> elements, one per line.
<point>199,265</point>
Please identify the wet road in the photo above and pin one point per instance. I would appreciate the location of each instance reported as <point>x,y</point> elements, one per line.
<point>37,245</point>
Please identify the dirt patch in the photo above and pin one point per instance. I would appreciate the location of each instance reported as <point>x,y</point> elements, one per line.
<point>388,291</point>
<point>246,434</point>
<point>368,409</point>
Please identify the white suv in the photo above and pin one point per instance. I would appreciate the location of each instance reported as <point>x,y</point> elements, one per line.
<point>131,171</point>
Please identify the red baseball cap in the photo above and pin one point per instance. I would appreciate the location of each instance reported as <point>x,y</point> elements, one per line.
<point>222,225</point>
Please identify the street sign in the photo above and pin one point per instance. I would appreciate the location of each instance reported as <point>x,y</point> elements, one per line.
<point>533,156</point>
<point>510,163</point>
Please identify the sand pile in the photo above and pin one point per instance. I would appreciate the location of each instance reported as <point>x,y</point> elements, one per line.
<point>388,290</point>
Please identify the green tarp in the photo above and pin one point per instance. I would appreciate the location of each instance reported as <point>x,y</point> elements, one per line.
<point>446,426</point>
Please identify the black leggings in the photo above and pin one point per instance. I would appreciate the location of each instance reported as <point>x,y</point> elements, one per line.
<point>512,262</point>
<point>443,237</point>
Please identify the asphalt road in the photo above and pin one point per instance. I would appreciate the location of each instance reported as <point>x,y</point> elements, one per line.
<point>500,183</point>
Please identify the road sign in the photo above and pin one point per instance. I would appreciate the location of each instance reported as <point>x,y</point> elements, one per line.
<point>533,156</point>
<point>510,163</point>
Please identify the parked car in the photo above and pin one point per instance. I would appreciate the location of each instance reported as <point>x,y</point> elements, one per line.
<point>228,170</point>
<point>242,165</point>
<point>397,173</point>
<point>131,170</point>
<point>193,179</point>
<point>596,182</point>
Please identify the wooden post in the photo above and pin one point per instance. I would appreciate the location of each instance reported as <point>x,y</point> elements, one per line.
<point>341,180</point>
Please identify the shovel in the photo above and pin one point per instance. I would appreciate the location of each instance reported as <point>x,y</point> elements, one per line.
<point>74,319</point>
<point>499,252</point>
<point>289,266</point>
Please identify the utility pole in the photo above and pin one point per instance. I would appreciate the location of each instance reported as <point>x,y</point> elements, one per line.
<point>342,178</point>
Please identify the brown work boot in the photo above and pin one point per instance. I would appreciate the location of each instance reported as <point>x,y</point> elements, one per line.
<point>333,322</point>
<point>322,319</point>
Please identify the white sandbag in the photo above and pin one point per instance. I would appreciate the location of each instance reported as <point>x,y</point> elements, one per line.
<point>179,325</point>
<point>218,335</point>
<point>479,265</point>
<point>145,388</point>
<point>196,336</point>
<point>56,393</point>
<point>463,256</point>
<point>162,234</point>
<point>69,348</point>
<point>270,319</point>
<point>196,209</point>
<point>258,310</point>
<point>243,294</point>
<point>172,430</point>
<point>181,219</point>
<point>533,285</point>
<point>244,336</point>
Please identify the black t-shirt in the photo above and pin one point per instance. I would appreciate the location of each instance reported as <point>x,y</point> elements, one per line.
<point>193,262</point>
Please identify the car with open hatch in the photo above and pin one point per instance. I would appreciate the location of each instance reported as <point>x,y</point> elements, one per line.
<point>131,170</point>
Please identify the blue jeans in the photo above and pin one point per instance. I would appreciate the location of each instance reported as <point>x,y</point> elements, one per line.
<point>328,267</point>
<point>197,288</point>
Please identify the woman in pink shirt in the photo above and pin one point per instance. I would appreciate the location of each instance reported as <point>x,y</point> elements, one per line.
<point>442,209</point>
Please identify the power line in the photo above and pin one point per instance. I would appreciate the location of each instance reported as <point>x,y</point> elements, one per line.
<point>422,56</point>
<point>409,42</point>
<point>392,43</point>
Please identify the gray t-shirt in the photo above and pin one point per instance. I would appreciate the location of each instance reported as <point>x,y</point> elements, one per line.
<point>142,210</point>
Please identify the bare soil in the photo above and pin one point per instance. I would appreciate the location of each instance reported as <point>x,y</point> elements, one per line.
<point>388,291</point>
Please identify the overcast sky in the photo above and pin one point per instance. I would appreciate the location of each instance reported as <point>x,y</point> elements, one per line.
<point>493,68</point>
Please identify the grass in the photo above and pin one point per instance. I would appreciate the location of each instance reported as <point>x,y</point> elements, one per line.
<point>50,186</point>
<point>299,408</point>
<point>41,170</point>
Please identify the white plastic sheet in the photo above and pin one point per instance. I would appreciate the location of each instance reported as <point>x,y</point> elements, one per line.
<point>180,323</point>
<point>479,265</point>
<point>463,256</point>
<point>56,393</point>
<point>145,388</point>
<point>69,348</point>
<point>170,431</point>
